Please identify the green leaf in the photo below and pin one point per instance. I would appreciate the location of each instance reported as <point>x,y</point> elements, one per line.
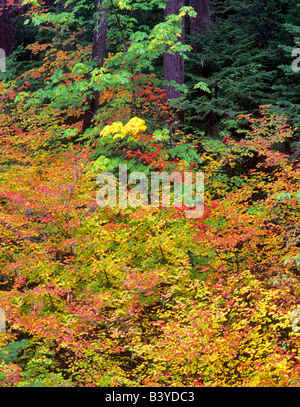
<point>11,351</point>
<point>203,86</point>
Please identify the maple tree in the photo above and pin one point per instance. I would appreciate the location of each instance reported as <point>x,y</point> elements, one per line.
<point>139,296</point>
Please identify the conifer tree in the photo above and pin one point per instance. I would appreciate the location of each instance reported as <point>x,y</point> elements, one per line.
<point>199,24</point>
<point>7,26</point>
<point>174,63</point>
<point>98,52</point>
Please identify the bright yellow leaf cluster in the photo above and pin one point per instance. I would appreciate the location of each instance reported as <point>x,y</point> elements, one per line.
<point>134,126</point>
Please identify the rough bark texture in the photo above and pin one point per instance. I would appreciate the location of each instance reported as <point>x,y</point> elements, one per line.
<point>174,64</point>
<point>7,29</point>
<point>199,24</point>
<point>98,51</point>
<point>2,321</point>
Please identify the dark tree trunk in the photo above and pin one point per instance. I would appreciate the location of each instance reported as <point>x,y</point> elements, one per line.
<point>174,64</point>
<point>49,3</point>
<point>98,51</point>
<point>199,24</point>
<point>7,29</point>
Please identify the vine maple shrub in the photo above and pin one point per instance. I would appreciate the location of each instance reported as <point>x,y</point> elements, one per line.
<point>145,296</point>
<point>138,293</point>
<point>138,196</point>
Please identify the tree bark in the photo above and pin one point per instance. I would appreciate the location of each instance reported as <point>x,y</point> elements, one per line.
<point>7,28</point>
<point>199,24</point>
<point>174,64</point>
<point>98,51</point>
<point>2,321</point>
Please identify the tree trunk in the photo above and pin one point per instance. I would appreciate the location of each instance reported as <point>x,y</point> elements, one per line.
<point>98,51</point>
<point>2,321</point>
<point>199,24</point>
<point>174,64</point>
<point>7,29</point>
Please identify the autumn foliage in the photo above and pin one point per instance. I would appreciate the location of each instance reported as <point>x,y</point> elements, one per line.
<point>108,297</point>
<point>142,296</point>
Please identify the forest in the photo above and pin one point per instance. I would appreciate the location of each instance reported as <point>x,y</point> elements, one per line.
<point>101,286</point>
